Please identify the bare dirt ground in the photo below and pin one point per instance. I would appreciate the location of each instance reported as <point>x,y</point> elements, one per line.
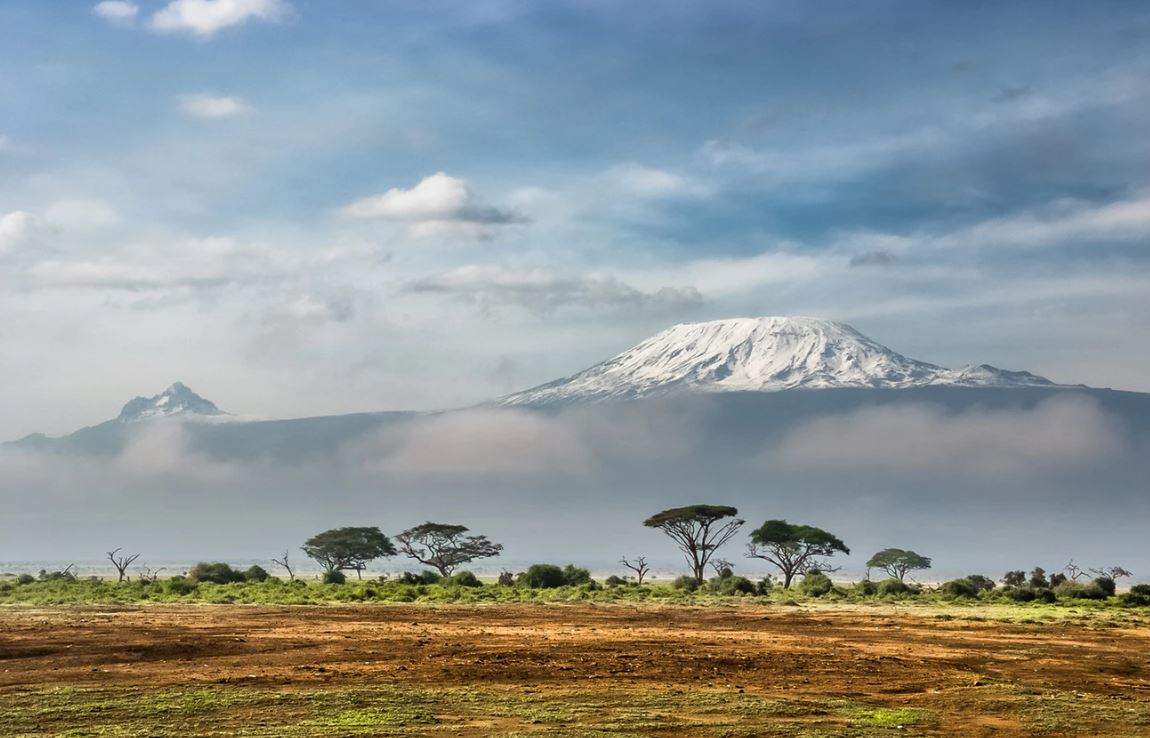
<point>565,670</point>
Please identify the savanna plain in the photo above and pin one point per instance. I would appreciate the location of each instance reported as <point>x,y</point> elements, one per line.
<point>570,662</point>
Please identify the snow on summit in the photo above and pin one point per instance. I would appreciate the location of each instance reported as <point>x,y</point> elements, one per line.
<point>177,399</point>
<point>759,355</point>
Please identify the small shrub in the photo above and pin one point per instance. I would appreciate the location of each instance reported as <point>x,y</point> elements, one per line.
<point>464,579</point>
<point>765,585</point>
<point>25,579</point>
<point>506,579</point>
<point>1139,596</point>
<point>732,585</point>
<point>1014,578</point>
<point>218,573</point>
<point>615,581</point>
<point>866,588</point>
<point>256,573</point>
<point>685,583</point>
<point>1107,585</point>
<point>542,576</point>
<point>889,587</point>
<point>815,584</point>
<point>982,583</point>
<point>1020,594</point>
<point>574,575</point>
<point>334,577</point>
<point>1078,591</point>
<point>180,586</point>
<point>960,588</point>
<point>427,576</point>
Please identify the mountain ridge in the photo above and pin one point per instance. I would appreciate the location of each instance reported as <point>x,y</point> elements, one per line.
<point>765,354</point>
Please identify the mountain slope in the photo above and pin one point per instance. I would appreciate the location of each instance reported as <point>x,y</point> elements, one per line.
<point>759,355</point>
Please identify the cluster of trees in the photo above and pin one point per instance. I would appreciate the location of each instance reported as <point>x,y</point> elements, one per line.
<point>700,530</point>
<point>442,546</point>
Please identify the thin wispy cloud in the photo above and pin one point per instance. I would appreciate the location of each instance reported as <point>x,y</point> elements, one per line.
<point>121,12</point>
<point>214,107</point>
<point>203,19</point>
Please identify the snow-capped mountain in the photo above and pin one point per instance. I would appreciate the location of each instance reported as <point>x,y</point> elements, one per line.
<point>176,400</point>
<point>761,355</point>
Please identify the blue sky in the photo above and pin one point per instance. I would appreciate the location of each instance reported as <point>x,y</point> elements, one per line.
<point>310,207</point>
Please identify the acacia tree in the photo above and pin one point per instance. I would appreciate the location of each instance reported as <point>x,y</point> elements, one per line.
<point>793,549</point>
<point>639,566</point>
<point>698,531</point>
<point>121,562</point>
<point>897,563</point>
<point>444,547</point>
<point>348,548</point>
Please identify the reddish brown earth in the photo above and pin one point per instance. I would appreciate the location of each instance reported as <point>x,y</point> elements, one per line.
<point>559,669</point>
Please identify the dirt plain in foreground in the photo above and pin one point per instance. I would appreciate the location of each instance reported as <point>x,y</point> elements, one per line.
<point>568,670</point>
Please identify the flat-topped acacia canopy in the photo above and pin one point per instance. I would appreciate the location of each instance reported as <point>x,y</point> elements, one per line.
<point>694,513</point>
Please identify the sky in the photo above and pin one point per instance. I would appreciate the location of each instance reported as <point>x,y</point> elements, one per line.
<point>304,207</point>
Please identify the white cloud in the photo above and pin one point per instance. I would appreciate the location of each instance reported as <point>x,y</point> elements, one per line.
<point>117,11</point>
<point>643,181</point>
<point>214,107</point>
<point>1059,432</point>
<point>439,205</point>
<point>204,18</point>
<point>16,229</point>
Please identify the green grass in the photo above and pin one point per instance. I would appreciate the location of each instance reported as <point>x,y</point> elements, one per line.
<point>410,710</point>
<point>1112,612</point>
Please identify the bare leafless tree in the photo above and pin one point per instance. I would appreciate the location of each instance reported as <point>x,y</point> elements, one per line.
<point>1073,571</point>
<point>721,565</point>
<point>1113,572</point>
<point>146,574</point>
<point>121,562</point>
<point>286,564</point>
<point>639,566</point>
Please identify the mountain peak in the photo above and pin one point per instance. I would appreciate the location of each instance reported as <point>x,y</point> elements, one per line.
<point>764,354</point>
<point>178,399</point>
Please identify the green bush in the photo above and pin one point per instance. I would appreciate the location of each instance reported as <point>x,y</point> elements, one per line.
<point>256,573</point>
<point>816,584</point>
<point>615,581</point>
<point>960,588</point>
<point>685,583</point>
<point>25,579</point>
<point>574,576</point>
<point>217,573</point>
<point>1020,594</point>
<point>765,585</point>
<point>180,586</point>
<point>732,585</point>
<point>1139,595</point>
<point>1107,585</point>
<point>542,576</point>
<point>334,577</point>
<point>464,579</point>
<point>427,576</point>
<point>506,579</point>
<point>550,576</point>
<point>982,583</point>
<point>888,587</point>
<point>1079,591</point>
<point>866,588</point>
